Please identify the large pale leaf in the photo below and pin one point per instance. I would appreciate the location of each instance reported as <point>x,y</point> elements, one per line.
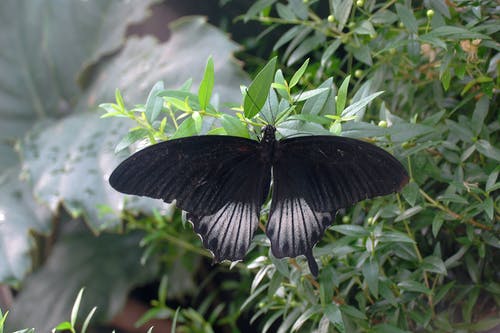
<point>44,44</point>
<point>19,214</point>
<point>48,295</point>
<point>70,161</point>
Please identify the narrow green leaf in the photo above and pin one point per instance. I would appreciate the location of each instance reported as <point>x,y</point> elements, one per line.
<point>479,115</point>
<point>87,319</point>
<point>287,36</point>
<point>310,93</point>
<point>485,148</point>
<point>492,180</point>
<point>234,126</point>
<point>434,264</point>
<point>341,11</point>
<point>154,103</point>
<point>442,291</point>
<point>410,193</point>
<point>409,213</point>
<point>488,207</point>
<point>256,8</point>
<point>130,138</point>
<point>305,316</point>
<point>309,44</point>
<point>406,16</point>
<point>326,285</point>
<point>395,237</point>
<point>437,223</point>
<point>174,320</point>
<point>119,99</point>
<point>298,74</point>
<point>454,32</point>
<point>187,128</point>
<point>258,90</point>
<point>371,272</point>
<point>355,108</point>
<point>332,312</point>
<point>206,85</point>
<point>285,12</point>
<point>351,230</point>
<point>414,286</point>
<point>76,307</point>
<point>353,312</point>
<point>342,95</point>
<point>330,50</point>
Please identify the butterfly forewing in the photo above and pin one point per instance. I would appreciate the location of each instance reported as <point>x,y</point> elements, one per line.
<point>200,172</point>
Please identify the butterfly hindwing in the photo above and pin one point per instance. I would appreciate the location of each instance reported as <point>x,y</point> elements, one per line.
<point>314,177</point>
<point>229,231</point>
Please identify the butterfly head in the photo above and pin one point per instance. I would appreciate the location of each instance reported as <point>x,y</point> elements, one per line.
<point>268,134</point>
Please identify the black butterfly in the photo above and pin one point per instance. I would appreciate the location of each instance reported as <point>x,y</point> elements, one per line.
<point>222,182</point>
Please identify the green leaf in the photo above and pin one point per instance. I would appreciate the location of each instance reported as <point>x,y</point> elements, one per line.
<point>409,213</point>
<point>492,180</point>
<point>326,283</point>
<point>306,46</point>
<point>154,103</point>
<point>285,12</point>
<point>406,16</point>
<point>305,317</point>
<point>353,312</point>
<point>332,312</point>
<point>64,326</point>
<point>341,11</point>
<point>323,103</point>
<point>258,90</point>
<point>479,115</point>
<point>434,264</point>
<point>298,74</point>
<point>342,95</point>
<point>414,286</point>
<point>371,272</point>
<point>310,93</point>
<point>359,106</point>
<point>330,50</point>
<point>351,230</point>
<point>365,28</point>
<point>186,128</point>
<point>288,36</point>
<point>256,8</point>
<point>395,237</point>
<point>455,33</point>
<point>485,148</point>
<point>361,53</point>
<point>410,193</point>
<point>206,85</point>
<point>234,126</point>
<point>131,137</point>
<point>76,307</point>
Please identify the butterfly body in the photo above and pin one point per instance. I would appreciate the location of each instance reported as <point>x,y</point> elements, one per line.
<point>223,181</point>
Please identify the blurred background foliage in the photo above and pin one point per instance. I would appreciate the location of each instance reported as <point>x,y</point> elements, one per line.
<point>424,260</point>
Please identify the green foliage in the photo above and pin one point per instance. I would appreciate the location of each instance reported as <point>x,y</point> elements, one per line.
<point>419,260</point>
<point>422,260</point>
